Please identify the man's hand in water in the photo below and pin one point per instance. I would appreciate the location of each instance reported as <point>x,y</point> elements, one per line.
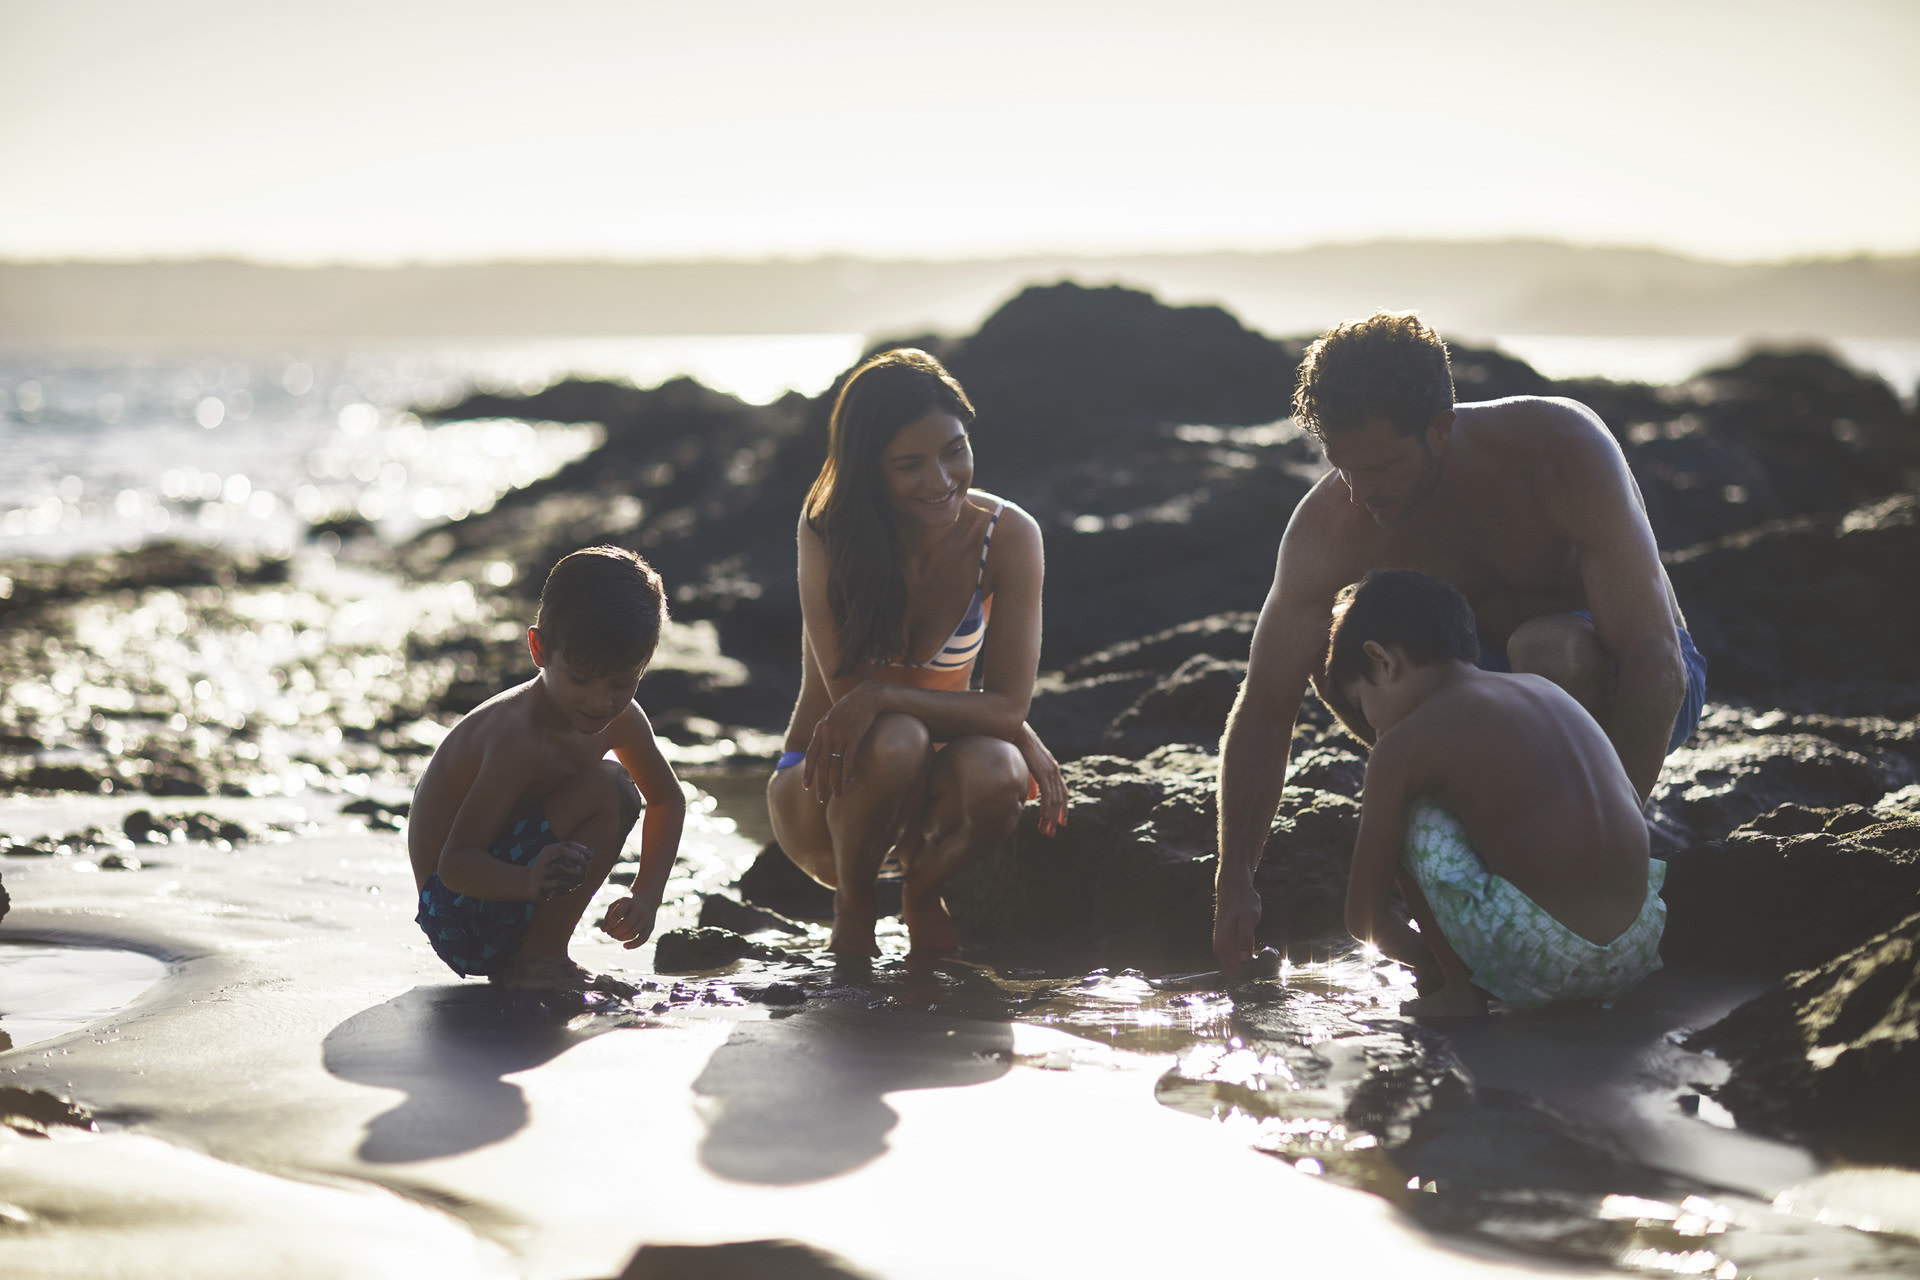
<point>630,921</point>
<point>1235,913</point>
<point>556,870</point>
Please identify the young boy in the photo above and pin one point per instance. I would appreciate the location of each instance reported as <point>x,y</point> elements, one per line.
<point>519,815</point>
<point>1503,803</point>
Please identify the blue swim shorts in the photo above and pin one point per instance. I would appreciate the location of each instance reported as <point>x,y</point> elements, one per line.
<point>477,936</point>
<point>1690,706</point>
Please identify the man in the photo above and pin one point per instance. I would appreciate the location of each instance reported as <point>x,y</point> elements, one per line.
<point>1525,506</point>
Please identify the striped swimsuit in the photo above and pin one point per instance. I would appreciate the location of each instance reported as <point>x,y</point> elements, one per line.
<point>952,666</point>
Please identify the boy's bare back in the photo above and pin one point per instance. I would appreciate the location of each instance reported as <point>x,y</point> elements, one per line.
<point>1538,787</point>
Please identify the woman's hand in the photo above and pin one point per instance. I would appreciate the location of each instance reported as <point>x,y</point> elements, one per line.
<point>1046,771</point>
<point>837,735</point>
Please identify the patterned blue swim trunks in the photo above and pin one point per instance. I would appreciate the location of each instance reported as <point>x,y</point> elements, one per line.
<point>477,936</point>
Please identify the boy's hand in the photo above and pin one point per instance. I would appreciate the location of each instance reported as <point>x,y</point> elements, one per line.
<point>630,921</point>
<point>556,870</point>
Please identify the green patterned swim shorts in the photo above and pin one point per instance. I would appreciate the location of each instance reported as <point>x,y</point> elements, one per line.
<point>1518,953</point>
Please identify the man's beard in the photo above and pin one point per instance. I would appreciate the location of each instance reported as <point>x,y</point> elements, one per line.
<point>1431,466</point>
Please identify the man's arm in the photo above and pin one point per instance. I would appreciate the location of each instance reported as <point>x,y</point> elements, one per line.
<point>1593,494</point>
<point>1289,646</point>
<point>630,920</point>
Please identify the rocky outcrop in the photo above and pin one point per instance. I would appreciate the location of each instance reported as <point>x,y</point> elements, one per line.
<point>1790,890</point>
<point>1817,613</point>
<point>1830,1055</point>
<point>1128,881</point>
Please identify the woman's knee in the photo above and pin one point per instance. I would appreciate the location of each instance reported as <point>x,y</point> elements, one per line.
<point>990,778</point>
<point>895,751</point>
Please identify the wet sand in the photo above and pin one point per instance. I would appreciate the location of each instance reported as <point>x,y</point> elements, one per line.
<point>308,1093</point>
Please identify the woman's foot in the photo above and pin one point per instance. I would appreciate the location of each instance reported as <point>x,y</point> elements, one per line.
<point>930,931</point>
<point>853,925</point>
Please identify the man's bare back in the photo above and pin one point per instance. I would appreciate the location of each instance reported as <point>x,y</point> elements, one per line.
<point>1495,527</point>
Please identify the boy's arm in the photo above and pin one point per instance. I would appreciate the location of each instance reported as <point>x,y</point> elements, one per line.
<point>1376,854</point>
<point>466,866</point>
<point>630,920</point>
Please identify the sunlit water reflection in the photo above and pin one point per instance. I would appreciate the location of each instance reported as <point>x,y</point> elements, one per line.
<point>48,991</point>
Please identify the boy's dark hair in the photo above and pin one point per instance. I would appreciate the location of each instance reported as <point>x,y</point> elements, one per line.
<point>1424,617</point>
<point>1389,365</point>
<point>602,607</point>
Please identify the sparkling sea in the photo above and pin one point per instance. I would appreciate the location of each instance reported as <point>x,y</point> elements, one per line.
<point>109,448</point>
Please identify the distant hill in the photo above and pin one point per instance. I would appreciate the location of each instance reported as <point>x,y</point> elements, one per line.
<point>1469,289</point>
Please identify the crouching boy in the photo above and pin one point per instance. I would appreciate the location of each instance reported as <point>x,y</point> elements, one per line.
<point>1500,805</point>
<point>519,815</point>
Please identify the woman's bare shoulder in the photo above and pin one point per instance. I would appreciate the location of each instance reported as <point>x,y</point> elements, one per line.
<point>1013,517</point>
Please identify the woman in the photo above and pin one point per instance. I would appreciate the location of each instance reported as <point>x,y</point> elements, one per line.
<point>921,598</point>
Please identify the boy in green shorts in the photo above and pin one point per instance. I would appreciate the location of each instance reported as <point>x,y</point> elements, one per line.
<point>1498,804</point>
<point>520,815</point>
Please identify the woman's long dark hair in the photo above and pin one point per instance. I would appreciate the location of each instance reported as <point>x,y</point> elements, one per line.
<point>848,508</point>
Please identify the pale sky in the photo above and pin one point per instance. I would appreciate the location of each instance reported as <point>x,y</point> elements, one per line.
<point>408,130</point>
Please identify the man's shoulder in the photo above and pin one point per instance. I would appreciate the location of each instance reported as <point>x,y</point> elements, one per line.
<point>1530,423</point>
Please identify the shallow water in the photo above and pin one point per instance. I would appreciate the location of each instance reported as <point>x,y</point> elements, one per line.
<point>1589,1137</point>
<point>48,991</point>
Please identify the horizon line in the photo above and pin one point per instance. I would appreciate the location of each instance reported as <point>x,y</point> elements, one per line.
<point>216,258</point>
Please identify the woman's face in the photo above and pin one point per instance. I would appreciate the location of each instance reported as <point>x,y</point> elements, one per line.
<point>927,469</point>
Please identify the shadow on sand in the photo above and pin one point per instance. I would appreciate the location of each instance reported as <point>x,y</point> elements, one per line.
<point>447,1048</point>
<point>800,1098</point>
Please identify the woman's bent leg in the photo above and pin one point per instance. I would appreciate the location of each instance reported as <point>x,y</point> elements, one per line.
<point>974,793</point>
<point>842,843</point>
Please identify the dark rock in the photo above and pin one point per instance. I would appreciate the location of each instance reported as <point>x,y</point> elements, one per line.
<point>37,583</point>
<point>1772,903</point>
<point>1189,706</point>
<point>1063,371</point>
<point>35,1111</point>
<point>1772,437</point>
<point>143,826</point>
<point>64,777</point>
<point>5,901</point>
<point>697,950</point>
<point>1830,1055</point>
<point>1708,790</point>
<point>773,882</point>
<point>780,993</point>
<point>1222,635</point>
<point>743,1260</point>
<point>717,911</point>
<point>1128,881</point>
<point>1072,716</point>
<point>175,777</point>
<point>1818,613</point>
<point>380,815</point>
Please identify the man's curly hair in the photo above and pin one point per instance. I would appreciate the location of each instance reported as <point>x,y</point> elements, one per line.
<point>1389,365</point>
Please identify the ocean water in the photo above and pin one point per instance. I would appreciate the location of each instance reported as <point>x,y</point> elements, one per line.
<point>247,449</point>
